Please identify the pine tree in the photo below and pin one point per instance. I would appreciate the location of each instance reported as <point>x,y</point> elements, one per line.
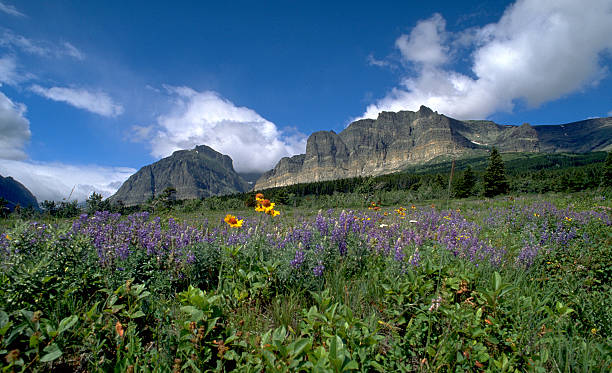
<point>606,177</point>
<point>495,181</point>
<point>465,185</point>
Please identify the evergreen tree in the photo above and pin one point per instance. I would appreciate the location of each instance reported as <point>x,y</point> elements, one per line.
<point>95,203</point>
<point>465,185</point>
<point>4,209</point>
<point>168,197</point>
<point>495,181</point>
<point>606,177</point>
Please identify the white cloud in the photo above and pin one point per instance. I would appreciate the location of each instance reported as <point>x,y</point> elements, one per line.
<point>55,181</point>
<point>9,9</point>
<point>8,71</point>
<point>426,42</point>
<point>140,133</point>
<point>73,51</point>
<point>376,62</point>
<point>14,129</point>
<point>95,102</point>
<point>10,40</point>
<point>205,118</point>
<point>538,51</point>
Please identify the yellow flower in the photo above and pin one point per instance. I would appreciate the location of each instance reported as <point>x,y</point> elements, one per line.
<point>232,221</point>
<point>273,212</point>
<point>593,331</point>
<point>265,206</point>
<point>8,237</point>
<point>259,197</point>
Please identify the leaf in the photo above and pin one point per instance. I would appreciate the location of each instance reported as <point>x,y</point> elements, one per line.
<point>300,345</point>
<point>137,314</point>
<point>67,323</point>
<point>194,313</point>
<point>496,281</point>
<point>52,353</point>
<point>351,365</point>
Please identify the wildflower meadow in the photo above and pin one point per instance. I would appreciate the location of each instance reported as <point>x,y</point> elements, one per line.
<point>512,283</point>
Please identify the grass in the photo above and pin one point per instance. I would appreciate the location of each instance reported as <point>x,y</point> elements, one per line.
<point>515,283</point>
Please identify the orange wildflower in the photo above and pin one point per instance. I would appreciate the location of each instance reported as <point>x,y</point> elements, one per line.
<point>119,328</point>
<point>259,197</point>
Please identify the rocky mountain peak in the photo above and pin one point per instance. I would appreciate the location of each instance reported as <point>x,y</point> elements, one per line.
<point>196,173</point>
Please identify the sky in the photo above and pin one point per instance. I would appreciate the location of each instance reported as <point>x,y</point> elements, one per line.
<point>91,91</point>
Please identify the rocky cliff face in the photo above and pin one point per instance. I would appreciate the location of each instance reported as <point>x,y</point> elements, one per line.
<point>396,140</point>
<point>197,173</point>
<point>16,194</point>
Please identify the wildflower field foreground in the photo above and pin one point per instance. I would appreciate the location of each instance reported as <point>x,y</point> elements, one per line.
<point>500,285</point>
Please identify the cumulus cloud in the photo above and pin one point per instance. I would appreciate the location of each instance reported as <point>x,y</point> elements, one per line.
<point>425,44</point>
<point>95,102</point>
<point>9,9</point>
<point>206,118</point>
<point>14,129</point>
<point>58,181</point>
<point>538,51</point>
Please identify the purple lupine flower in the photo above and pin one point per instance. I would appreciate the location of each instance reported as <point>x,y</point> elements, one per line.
<point>298,259</point>
<point>318,270</point>
<point>527,255</point>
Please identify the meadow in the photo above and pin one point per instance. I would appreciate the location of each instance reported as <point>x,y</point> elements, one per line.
<point>505,284</point>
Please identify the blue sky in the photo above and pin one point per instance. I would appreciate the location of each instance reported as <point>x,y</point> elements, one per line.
<point>92,91</point>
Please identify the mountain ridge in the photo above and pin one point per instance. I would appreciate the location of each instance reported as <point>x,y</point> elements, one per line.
<point>196,173</point>
<point>16,193</point>
<point>395,140</point>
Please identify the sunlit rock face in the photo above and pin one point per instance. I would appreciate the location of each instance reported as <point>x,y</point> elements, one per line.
<point>394,141</point>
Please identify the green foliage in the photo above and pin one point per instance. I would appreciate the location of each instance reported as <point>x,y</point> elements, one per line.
<point>62,210</point>
<point>240,306</point>
<point>465,185</point>
<point>495,182</point>
<point>95,203</point>
<point>606,175</point>
<point>4,209</point>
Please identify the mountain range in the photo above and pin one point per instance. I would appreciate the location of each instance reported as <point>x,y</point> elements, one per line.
<point>366,147</point>
<point>395,141</point>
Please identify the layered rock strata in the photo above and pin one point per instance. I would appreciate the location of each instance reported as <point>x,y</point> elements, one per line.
<point>394,141</point>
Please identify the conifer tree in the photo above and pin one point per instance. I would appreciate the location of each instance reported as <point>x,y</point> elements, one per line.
<point>606,177</point>
<point>465,185</point>
<point>495,181</point>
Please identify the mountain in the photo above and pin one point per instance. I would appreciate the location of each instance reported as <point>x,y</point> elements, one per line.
<point>16,194</point>
<point>200,172</point>
<point>395,141</point>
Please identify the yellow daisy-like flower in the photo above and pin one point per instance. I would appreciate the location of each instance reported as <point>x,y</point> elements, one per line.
<point>8,237</point>
<point>273,212</point>
<point>259,197</point>
<point>267,205</point>
<point>233,221</point>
